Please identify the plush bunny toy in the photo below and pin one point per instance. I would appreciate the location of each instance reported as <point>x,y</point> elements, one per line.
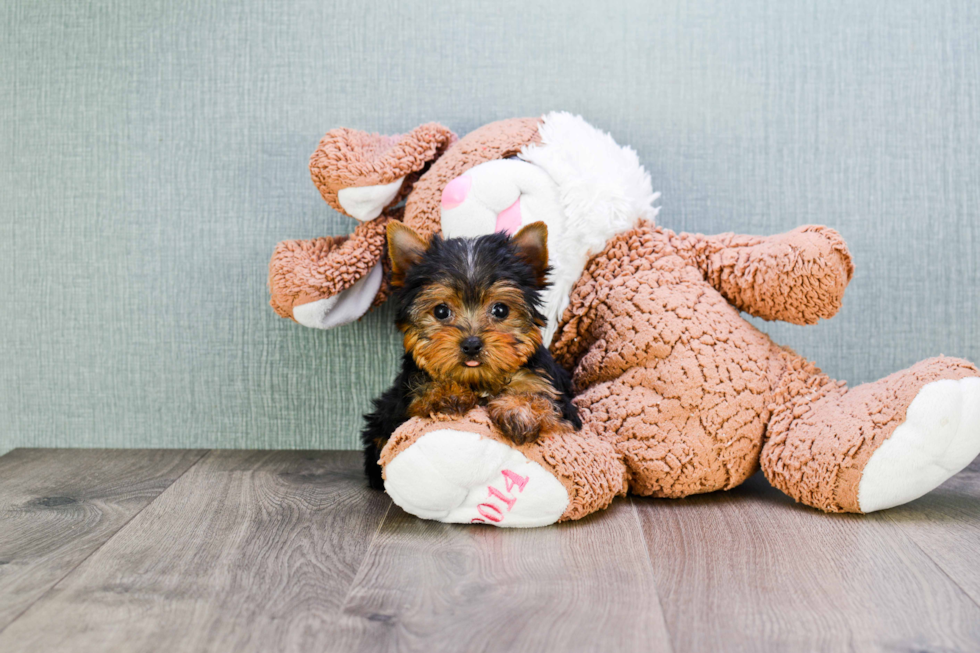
<point>678,393</point>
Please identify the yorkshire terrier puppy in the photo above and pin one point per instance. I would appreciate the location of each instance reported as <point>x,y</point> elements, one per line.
<point>469,309</point>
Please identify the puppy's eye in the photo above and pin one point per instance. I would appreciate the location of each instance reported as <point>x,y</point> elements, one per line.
<point>499,310</point>
<point>442,312</point>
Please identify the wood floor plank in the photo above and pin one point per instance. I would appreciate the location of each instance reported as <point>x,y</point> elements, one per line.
<point>945,524</point>
<point>248,551</point>
<point>751,570</point>
<point>581,586</point>
<point>57,506</point>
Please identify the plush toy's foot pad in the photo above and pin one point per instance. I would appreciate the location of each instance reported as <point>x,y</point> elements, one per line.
<point>940,436</point>
<point>460,477</point>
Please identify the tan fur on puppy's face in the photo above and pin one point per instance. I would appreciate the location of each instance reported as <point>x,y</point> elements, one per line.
<point>436,343</point>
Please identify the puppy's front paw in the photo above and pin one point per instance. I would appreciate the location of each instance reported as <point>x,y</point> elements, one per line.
<point>453,404</point>
<point>444,398</point>
<point>520,418</point>
<point>517,426</point>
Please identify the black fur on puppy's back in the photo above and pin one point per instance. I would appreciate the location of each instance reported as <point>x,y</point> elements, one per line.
<point>390,412</point>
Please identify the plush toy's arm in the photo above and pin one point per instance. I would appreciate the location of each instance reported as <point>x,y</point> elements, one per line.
<point>796,277</point>
<point>326,282</point>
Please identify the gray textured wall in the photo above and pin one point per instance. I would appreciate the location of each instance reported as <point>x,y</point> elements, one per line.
<point>153,154</point>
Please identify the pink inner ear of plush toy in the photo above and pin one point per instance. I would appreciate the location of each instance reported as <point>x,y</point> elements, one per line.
<point>509,220</point>
<point>456,191</point>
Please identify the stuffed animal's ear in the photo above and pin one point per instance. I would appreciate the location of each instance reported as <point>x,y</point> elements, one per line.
<point>532,246</point>
<point>405,247</point>
<point>361,174</point>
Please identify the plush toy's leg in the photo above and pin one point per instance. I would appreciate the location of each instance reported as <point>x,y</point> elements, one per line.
<point>875,446</point>
<point>677,446</point>
<point>463,471</point>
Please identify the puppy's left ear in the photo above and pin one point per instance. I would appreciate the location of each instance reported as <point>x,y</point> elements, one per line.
<point>532,247</point>
<point>405,247</point>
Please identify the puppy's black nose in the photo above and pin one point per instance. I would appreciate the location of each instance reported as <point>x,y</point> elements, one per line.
<point>471,345</point>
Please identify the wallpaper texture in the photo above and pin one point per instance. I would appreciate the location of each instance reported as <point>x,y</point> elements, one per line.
<point>153,153</point>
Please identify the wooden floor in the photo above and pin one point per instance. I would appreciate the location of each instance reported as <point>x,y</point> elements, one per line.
<point>268,551</point>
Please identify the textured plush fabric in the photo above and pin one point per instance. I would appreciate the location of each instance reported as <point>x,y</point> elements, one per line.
<point>154,153</point>
<point>797,277</point>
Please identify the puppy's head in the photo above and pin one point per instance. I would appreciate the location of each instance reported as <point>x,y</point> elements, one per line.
<point>469,308</point>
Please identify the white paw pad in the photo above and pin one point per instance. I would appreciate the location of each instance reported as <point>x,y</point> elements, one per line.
<point>460,477</point>
<point>940,436</point>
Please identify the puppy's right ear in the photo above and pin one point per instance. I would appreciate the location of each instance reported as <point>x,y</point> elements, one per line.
<point>405,247</point>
